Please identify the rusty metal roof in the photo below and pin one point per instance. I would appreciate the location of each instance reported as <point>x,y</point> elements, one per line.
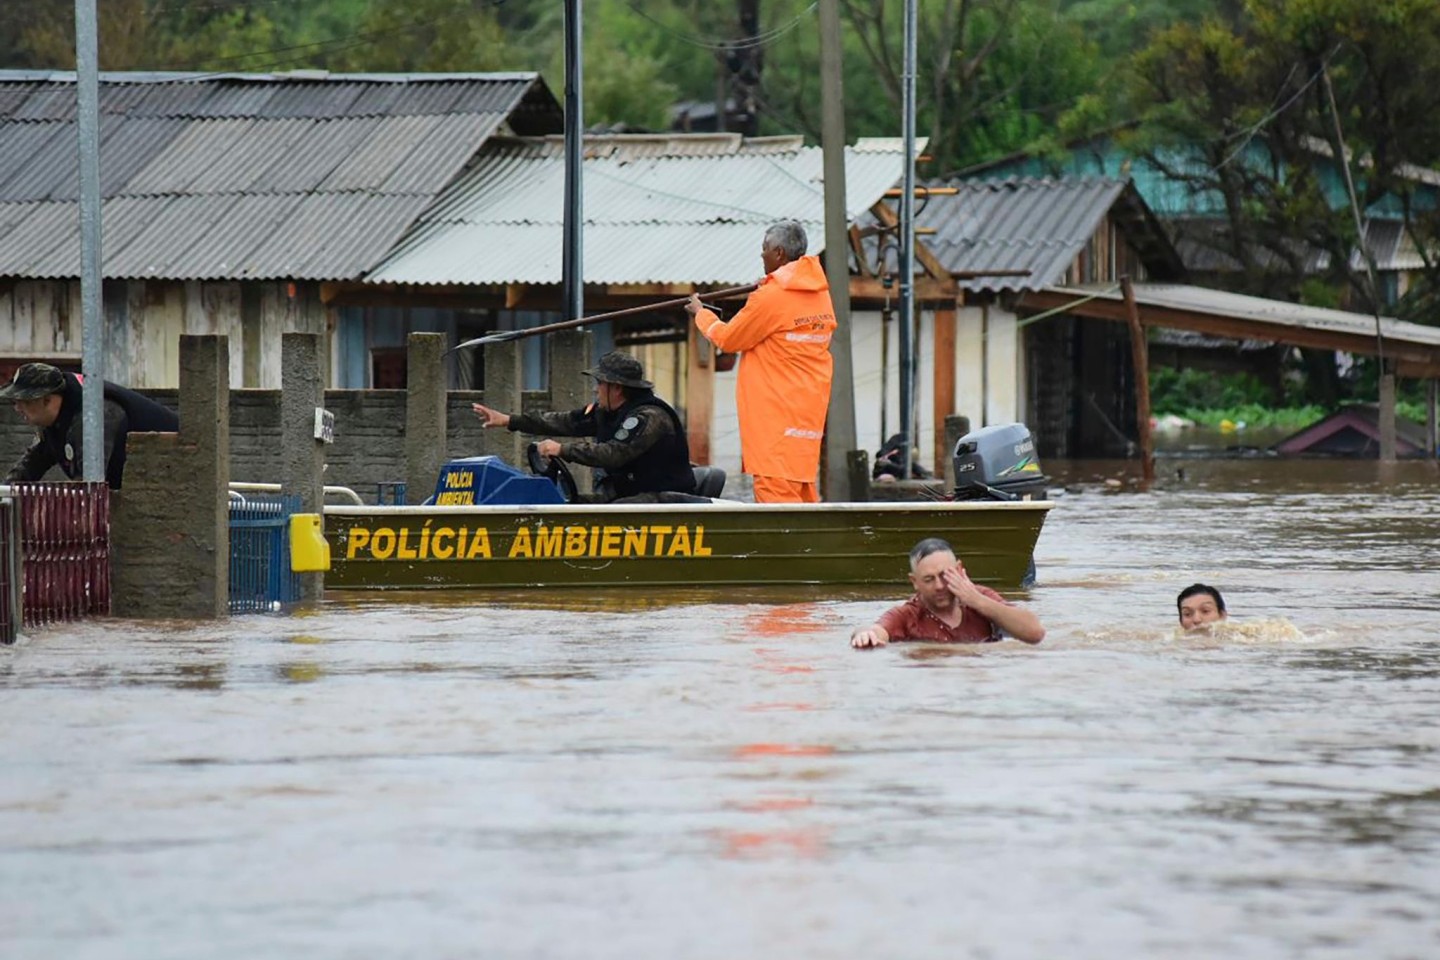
<point>658,209</point>
<point>259,176</point>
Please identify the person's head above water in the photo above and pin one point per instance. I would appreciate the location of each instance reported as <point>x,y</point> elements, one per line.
<point>1199,604</point>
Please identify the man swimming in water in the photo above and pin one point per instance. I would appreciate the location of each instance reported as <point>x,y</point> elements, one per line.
<point>948,607</point>
<point>1199,604</point>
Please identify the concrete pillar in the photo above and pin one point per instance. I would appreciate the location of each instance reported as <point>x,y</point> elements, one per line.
<point>170,525</point>
<point>425,412</point>
<point>956,426</point>
<point>570,388</point>
<point>1387,417</point>
<point>502,392</point>
<point>302,457</point>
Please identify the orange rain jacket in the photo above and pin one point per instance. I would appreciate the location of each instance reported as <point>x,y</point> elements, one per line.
<point>783,389</point>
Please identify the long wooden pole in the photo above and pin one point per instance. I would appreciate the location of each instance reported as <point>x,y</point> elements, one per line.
<point>1140,357</point>
<point>504,335</point>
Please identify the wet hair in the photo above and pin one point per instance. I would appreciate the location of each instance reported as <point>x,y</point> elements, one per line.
<point>787,236</point>
<point>928,546</point>
<point>1198,588</point>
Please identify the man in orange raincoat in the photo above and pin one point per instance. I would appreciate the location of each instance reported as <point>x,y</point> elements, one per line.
<point>783,388</point>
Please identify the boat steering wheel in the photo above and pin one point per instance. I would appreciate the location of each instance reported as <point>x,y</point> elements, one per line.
<point>554,470</point>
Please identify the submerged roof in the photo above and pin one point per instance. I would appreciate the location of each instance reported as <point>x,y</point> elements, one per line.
<point>1353,432</point>
<point>665,208</point>
<point>307,175</point>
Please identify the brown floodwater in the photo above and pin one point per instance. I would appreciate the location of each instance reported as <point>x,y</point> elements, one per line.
<point>717,775</point>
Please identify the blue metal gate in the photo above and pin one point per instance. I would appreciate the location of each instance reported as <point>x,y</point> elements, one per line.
<point>260,575</point>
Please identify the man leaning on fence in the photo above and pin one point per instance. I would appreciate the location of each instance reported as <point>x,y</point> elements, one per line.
<point>49,400</point>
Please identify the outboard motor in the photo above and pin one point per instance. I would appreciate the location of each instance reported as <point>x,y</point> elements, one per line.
<point>998,463</point>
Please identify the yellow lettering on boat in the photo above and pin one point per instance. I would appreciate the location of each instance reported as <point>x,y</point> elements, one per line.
<point>541,542</point>
<point>436,550</point>
<point>459,478</point>
<point>680,545</point>
<point>403,551</point>
<point>479,544</point>
<point>549,541</point>
<point>455,498</point>
<point>355,541</point>
<point>520,546</point>
<point>382,543</point>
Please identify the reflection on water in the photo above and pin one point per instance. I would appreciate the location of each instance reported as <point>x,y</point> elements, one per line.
<point>717,774</point>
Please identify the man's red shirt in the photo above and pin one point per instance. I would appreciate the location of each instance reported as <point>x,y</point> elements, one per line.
<point>912,620</point>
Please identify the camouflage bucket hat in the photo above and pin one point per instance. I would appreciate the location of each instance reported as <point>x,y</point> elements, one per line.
<point>621,368</point>
<point>33,381</point>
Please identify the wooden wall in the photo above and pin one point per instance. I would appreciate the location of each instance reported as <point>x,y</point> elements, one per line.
<point>143,321</point>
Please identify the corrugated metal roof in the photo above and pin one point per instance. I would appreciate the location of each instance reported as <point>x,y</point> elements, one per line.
<point>298,176</point>
<point>1277,313</point>
<point>658,209</point>
<point>1037,225</point>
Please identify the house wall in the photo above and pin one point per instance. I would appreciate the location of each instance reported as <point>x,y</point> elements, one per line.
<point>143,321</point>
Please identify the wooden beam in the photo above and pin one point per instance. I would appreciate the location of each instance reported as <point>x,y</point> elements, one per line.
<point>1239,328</point>
<point>928,290</point>
<point>1418,371</point>
<point>927,259</point>
<point>515,294</point>
<point>925,192</point>
<point>652,290</point>
<point>699,396</point>
<point>1140,358</point>
<point>944,381</point>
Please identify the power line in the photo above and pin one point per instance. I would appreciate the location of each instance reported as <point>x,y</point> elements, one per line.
<point>721,45</point>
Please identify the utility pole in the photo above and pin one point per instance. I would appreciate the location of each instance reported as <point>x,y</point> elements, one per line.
<point>907,249</point>
<point>92,361</point>
<point>573,261</point>
<point>840,425</point>
<point>745,61</point>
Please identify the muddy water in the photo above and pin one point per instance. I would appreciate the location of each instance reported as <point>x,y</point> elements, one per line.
<point>697,775</point>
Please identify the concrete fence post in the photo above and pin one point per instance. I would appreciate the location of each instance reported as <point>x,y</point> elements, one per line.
<point>425,412</point>
<point>570,389</point>
<point>170,527</point>
<point>503,383</point>
<point>302,455</point>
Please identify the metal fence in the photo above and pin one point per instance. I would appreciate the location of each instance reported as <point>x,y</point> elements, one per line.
<point>63,534</point>
<point>260,575</point>
<point>10,595</point>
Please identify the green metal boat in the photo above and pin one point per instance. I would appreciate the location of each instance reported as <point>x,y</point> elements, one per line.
<point>722,543</point>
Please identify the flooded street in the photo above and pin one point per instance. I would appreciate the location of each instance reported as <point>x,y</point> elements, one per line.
<point>699,775</point>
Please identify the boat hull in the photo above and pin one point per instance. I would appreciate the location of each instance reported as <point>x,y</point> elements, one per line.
<point>720,544</point>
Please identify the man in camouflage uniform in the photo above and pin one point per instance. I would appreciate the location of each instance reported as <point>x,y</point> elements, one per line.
<point>634,437</point>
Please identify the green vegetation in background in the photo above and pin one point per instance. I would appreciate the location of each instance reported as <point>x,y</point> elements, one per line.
<point>994,74</point>
<point>1207,398</point>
